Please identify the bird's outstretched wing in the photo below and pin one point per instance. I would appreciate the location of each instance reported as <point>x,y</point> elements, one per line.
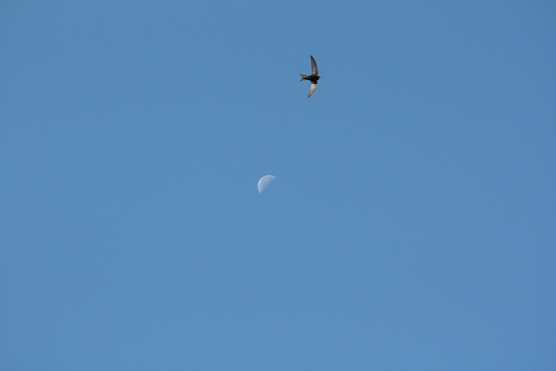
<point>314,69</point>
<point>312,89</point>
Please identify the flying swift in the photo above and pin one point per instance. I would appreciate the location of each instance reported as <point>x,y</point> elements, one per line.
<point>313,77</point>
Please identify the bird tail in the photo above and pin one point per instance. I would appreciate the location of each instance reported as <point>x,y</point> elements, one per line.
<point>302,76</point>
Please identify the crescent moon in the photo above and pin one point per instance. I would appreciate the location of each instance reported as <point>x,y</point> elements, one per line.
<point>264,182</point>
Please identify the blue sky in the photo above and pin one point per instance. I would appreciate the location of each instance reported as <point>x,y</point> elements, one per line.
<point>411,225</point>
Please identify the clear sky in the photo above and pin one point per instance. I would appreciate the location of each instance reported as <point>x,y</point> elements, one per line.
<point>412,224</point>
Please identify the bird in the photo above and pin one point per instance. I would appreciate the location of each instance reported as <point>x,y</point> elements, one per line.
<point>313,77</point>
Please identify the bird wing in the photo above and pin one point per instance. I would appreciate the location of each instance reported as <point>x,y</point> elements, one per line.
<point>314,69</point>
<point>312,89</point>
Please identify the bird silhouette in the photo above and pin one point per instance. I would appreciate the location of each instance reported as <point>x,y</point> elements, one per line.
<point>313,77</point>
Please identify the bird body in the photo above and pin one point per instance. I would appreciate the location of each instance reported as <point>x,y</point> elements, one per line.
<point>313,77</point>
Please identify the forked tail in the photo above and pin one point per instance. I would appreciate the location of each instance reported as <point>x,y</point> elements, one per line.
<point>302,76</point>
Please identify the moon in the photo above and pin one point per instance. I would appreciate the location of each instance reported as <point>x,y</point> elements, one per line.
<point>264,182</point>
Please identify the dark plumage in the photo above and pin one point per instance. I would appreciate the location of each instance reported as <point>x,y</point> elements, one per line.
<point>313,77</point>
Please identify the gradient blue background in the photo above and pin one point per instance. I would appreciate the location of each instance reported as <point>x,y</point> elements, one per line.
<point>412,225</point>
